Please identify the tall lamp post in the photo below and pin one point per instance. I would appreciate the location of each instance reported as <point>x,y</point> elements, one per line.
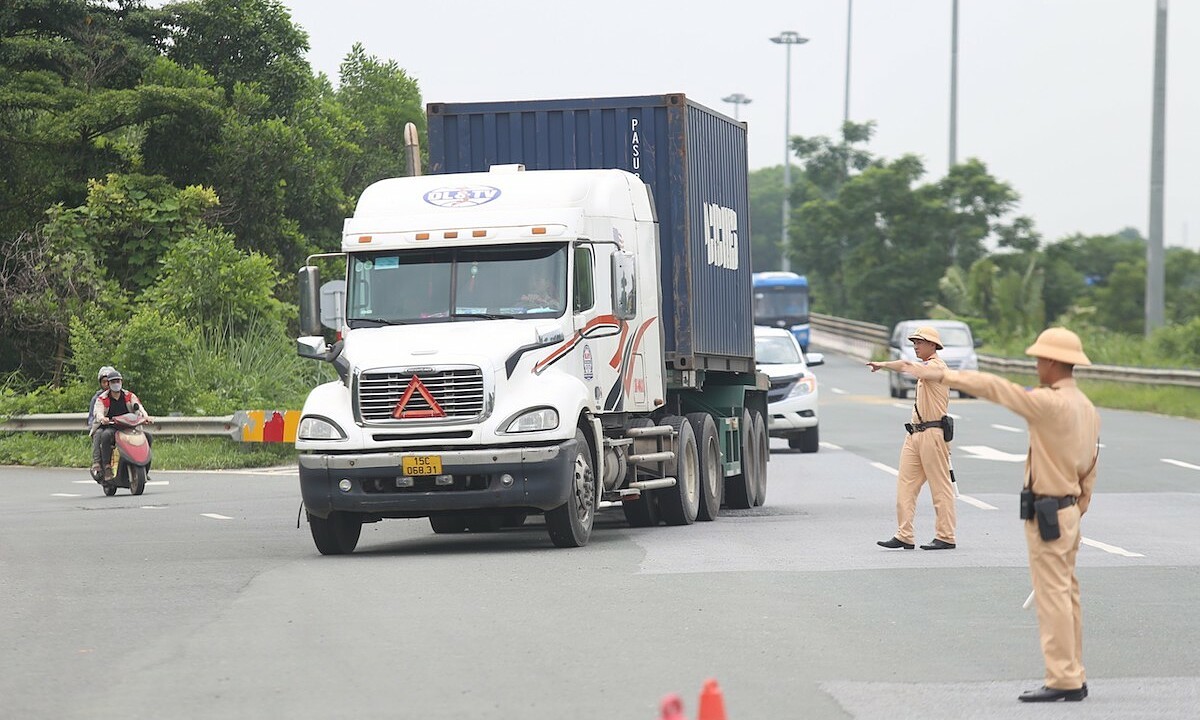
<point>788,38</point>
<point>738,100</point>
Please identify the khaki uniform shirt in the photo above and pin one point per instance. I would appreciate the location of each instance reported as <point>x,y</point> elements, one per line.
<point>933,398</point>
<point>1064,431</point>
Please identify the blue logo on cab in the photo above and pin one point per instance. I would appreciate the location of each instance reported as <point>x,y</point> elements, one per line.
<point>463,196</point>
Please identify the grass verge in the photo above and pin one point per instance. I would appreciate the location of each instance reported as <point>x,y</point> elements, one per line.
<point>170,453</point>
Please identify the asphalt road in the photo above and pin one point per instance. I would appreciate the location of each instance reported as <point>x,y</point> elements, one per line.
<point>202,599</point>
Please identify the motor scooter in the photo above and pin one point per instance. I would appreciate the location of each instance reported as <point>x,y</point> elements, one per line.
<point>131,455</point>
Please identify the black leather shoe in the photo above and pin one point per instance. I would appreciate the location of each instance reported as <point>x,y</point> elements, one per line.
<point>1049,694</point>
<point>895,543</point>
<point>939,544</point>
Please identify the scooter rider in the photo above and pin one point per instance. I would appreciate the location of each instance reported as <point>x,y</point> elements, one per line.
<point>117,401</point>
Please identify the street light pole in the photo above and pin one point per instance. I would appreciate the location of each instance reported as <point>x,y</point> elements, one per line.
<point>1155,270</point>
<point>737,100</point>
<point>954,85</point>
<point>788,38</point>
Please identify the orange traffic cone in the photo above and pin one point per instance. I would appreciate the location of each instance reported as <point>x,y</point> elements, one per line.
<point>672,708</point>
<point>712,702</point>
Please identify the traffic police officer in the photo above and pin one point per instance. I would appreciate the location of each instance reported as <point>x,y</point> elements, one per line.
<point>925,455</point>
<point>1064,441</point>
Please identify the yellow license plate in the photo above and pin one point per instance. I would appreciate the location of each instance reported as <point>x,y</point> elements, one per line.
<point>421,465</point>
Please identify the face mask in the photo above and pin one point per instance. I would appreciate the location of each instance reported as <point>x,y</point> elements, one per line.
<point>114,387</point>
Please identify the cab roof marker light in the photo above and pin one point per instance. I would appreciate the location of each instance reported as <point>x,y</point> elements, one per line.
<point>423,236</point>
<point>539,231</point>
<point>479,233</point>
<point>450,234</point>
<point>364,238</point>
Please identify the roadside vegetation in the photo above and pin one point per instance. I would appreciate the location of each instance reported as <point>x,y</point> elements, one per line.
<point>170,453</point>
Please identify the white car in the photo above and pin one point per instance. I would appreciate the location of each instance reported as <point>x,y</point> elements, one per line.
<point>792,399</point>
<point>958,351</point>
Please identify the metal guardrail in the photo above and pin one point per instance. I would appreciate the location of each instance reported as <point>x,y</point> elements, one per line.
<point>167,425</point>
<point>863,340</point>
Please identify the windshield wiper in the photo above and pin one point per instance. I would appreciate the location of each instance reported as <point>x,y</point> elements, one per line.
<point>484,316</point>
<point>373,322</point>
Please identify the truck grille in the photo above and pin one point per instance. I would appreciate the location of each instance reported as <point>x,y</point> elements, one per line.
<point>459,393</point>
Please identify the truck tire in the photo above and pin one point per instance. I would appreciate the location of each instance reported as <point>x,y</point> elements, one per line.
<point>712,482</point>
<point>762,451</point>
<point>740,490</point>
<point>680,504</point>
<point>642,512</point>
<point>448,524</point>
<point>337,534</point>
<point>570,524</point>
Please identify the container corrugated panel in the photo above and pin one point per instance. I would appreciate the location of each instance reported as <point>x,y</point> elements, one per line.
<point>694,160</point>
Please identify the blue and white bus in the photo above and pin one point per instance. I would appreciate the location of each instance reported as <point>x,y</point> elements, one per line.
<point>781,300</point>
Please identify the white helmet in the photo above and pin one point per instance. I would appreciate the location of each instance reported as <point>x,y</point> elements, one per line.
<point>105,372</point>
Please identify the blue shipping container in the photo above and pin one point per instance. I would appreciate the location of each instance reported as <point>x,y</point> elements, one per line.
<point>693,159</point>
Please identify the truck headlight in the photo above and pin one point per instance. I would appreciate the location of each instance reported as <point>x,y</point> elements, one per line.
<point>318,428</point>
<point>804,386</point>
<point>533,421</point>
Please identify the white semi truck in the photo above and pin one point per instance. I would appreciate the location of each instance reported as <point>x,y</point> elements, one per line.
<point>521,341</point>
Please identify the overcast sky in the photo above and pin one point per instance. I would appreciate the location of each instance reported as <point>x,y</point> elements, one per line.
<point>1054,95</point>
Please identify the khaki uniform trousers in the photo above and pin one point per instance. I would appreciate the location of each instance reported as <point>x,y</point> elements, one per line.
<point>925,457</point>
<point>1056,592</point>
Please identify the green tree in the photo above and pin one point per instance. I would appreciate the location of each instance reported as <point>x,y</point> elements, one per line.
<point>380,98</point>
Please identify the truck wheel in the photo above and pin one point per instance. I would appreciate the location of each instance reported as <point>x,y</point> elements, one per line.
<point>712,483</point>
<point>336,534</point>
<point>137,479</point>
<point>642,512</point>
<point>680,504</point>
<point>762,451</point>
<point>570,524</point>
<point>447,524</point>
<point>740,490</point>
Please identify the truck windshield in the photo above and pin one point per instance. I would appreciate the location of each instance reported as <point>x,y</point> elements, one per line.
<point>445,285</point>
<point>772,304</point>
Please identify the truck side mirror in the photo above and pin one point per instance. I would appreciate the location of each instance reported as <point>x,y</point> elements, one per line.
<point>308,280</point>
<point>624,286</point>
<point>894,344</point>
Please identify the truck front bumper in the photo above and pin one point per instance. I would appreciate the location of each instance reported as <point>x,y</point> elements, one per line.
<point>489,478</point>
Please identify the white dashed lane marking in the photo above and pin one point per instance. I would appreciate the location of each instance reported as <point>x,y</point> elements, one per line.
<point>65,495</point>
<point>1109,548</point>
<point>983,452</point>
<point>215,516</point>
<point>153,507</point>
<point>830,446</point>
<point>1008,428</point>
<point>886,468</point>
<point>158,482</point>
<point>1180,463</point>
<point>838,391</point>
<point>977,503</point>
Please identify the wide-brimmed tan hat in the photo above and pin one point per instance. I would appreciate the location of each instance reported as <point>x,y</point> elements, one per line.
<point>927,333</point>
<point>1059,343</point>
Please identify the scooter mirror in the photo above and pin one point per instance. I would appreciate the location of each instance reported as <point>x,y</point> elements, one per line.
<point>136,407</point>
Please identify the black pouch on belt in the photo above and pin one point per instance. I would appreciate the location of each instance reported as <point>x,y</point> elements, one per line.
<point>1046,510</point>
<point>947,428</point>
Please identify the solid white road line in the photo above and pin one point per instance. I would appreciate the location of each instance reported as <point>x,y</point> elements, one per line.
<point>829,445</point>
<point>977,503</point>
<point>838,391</point>
<point>1008,428</point>
<point>1180,463</point>
<point>1109,548</point>
<point>215,516</point>
<point>886,468</point>
<point>65,495</point>
<point>158,482</point>
<point>983,452</point>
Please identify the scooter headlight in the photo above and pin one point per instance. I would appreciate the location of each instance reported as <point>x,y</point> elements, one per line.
<point>319,428</point>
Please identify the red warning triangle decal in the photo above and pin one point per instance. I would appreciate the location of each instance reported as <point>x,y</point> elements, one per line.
<point>415,385</point>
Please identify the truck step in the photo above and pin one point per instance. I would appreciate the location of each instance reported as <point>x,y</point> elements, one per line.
<point>652,431</point>
<point>654,457</point>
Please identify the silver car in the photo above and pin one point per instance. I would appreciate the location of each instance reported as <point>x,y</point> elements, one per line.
<point>958,350</point>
